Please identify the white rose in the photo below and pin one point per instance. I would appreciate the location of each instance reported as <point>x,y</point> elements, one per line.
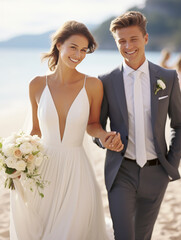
<point>20,165</point>
<point>38,142</point>
<point>11,162</point>
<point>35,148</point>
<point>161,84</point>
<point>26,148</point>
<point>22,139</point>
<point>17,153</point>
<point>8,149</point>
<point>36,138</point>
<point>30,158</point>
<point>15,135</point>
<point>10,140</point>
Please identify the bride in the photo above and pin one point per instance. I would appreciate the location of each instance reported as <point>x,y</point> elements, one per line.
<point>64,104</point>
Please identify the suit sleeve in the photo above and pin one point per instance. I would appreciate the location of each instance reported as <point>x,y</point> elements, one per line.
<point>174,111</point>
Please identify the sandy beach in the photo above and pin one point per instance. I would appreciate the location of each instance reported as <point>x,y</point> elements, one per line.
<point>168,224</point>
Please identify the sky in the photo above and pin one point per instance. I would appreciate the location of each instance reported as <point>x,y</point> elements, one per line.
<point>37,16</point>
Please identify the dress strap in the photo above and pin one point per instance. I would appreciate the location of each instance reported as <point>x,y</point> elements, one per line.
<point>85,80</point>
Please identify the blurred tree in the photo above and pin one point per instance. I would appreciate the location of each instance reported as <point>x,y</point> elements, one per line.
<point>164,26</point>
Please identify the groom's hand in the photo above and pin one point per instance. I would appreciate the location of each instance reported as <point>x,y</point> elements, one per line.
<point>116,143</point>
<point>112,141</point>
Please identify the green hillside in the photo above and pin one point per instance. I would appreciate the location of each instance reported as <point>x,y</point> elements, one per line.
<point>164,26</point>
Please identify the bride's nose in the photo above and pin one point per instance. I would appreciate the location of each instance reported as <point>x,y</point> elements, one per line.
<point>77,54</point>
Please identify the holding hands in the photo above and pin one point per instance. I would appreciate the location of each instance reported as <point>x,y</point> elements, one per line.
<point>112,141</point>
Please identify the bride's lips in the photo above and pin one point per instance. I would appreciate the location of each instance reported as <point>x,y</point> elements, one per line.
<point>74,60</point>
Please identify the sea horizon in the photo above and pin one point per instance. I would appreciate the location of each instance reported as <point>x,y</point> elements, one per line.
<point>19,66</point>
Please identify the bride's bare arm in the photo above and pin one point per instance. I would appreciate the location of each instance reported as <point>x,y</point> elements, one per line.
<point>110,140</point>
<point>34,87</point>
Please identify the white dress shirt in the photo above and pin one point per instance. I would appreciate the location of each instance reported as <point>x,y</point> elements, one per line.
<point>129,87</point>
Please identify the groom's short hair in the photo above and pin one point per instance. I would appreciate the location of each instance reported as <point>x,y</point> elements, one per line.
<point>128,19</point>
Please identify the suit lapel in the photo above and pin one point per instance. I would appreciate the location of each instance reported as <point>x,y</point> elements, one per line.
<point>154,98</point>
<point>118,85</point>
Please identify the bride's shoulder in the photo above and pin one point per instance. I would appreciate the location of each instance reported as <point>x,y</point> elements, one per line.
<point>36,85</point>
<point>94,86</point>
<point>93,82</point>
<point>37,82</point>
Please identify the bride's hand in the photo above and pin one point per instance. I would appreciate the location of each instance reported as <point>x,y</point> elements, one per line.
<point>112,141</point>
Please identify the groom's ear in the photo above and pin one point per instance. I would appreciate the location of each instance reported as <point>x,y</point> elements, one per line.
<point>146,37</point>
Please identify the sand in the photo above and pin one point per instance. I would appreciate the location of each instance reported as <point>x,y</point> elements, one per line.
<point>168,224</point>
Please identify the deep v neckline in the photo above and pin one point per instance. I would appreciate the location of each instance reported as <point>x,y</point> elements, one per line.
<point>68,112</point>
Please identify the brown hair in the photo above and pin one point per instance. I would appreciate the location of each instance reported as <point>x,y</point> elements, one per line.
<point>131,18</point>
<point>61,35</point>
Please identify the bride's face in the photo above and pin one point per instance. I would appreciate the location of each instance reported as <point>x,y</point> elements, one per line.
<point>73,50</point>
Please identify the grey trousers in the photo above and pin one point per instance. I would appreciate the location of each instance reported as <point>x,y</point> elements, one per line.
<point>135,199</point>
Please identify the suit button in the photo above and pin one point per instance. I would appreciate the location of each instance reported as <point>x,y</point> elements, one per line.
<point>127,137</point>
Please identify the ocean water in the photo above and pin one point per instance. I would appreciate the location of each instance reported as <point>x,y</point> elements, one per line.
<point>19,66</point>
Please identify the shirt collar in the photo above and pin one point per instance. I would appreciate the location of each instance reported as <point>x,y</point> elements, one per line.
<point>143,68</point>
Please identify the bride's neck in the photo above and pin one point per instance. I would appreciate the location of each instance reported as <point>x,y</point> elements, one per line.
<point>65,75</point>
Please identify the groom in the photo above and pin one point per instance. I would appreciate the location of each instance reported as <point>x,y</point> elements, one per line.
<point>138,95</point>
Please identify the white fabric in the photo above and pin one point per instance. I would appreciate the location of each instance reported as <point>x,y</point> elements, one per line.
<point>72,207</point>
<point>129,90</point>
<point>139,121</point>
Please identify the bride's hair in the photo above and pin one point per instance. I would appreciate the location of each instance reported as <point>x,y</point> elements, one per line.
<point>61,35</point>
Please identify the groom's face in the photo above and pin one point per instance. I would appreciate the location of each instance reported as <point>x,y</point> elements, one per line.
<point>131,44</point>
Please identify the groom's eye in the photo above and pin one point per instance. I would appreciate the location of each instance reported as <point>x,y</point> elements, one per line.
<point>122,42</point>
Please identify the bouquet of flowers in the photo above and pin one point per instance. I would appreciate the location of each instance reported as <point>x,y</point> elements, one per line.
<point>20,157</point>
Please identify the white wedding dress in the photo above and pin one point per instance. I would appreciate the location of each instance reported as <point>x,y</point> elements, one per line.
<point>72,207</point>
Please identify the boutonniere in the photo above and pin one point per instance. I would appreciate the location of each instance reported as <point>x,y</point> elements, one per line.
<point>160,86</point>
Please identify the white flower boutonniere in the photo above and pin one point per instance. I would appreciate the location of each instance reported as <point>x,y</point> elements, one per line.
<point>160,86</point>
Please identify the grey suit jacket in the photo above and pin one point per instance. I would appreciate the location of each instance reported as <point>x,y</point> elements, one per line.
<point>114,107</point>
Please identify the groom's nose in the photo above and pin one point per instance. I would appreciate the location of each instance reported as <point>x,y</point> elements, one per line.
<point>128,45</point>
